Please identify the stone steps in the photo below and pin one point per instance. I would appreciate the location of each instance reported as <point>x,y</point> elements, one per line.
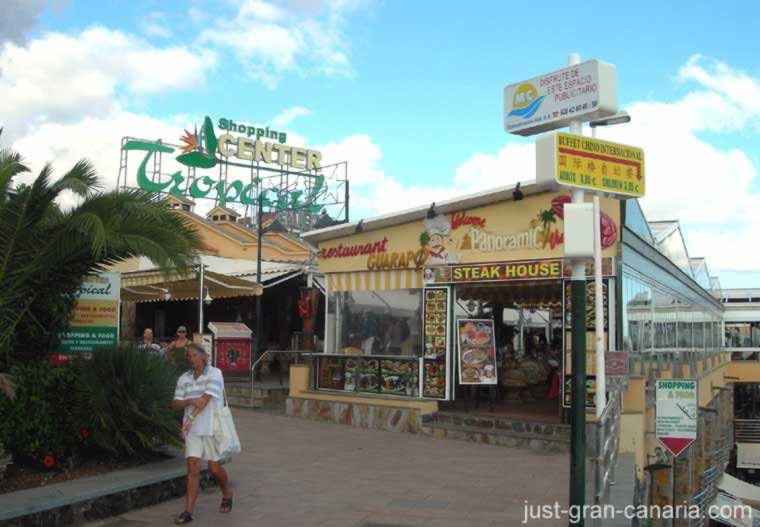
<point>241,395</point>
<point>500,431</point>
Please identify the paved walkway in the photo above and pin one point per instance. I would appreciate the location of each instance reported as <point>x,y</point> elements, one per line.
<point>296,473</point>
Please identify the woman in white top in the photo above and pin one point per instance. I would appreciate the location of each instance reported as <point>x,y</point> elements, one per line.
<point>199,392</point>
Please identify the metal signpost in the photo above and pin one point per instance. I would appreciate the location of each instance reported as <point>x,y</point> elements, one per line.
<point>567,97</point>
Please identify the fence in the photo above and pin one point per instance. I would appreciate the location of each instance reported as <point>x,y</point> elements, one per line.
<point>606,431</point>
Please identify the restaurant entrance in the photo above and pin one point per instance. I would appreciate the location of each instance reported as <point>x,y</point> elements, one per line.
<point>524,322</point>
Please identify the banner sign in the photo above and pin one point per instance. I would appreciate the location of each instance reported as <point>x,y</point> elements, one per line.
<point>616,370</point>
<point>96,315</point>
<point>583,92</point>
<point>477,351</point>
<point>583,162</point>
<point>677,413</point>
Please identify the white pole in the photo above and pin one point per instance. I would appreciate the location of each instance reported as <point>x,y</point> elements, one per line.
<point>601,379</point>
<point>200,301</point>
<point>578,196</point>
<point>601,385</point>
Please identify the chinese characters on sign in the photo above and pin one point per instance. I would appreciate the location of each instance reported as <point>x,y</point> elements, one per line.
<point>591,164</point>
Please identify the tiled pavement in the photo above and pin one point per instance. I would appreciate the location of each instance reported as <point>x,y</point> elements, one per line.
<point>295,472</point>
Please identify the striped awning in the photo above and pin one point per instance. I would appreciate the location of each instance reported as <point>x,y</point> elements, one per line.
<point>375,280</point>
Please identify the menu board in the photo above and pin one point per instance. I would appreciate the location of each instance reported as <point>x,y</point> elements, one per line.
<point>350,374</point>
<point>436,313</point>
<point>331,373</point>
<point>368,378</point>
<point>434,381</point>
<point>567,399</point>
<point>399,377</point>
<point>477,351</point>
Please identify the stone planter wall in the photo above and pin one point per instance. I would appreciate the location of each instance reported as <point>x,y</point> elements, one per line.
<point>356,414</point>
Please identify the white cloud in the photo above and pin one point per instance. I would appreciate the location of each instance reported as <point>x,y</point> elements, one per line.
<point>156,25</point>
<point>61,78</point>
<point>708,187</point>
<point>286,117</point>
<point>270,40</point>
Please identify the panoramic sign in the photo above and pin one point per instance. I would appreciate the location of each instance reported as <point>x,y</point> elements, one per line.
<point>677,413</point>
<point>583,92</point>
<point>96,316</point>
<point>583,162</point>
<point>243,164</point>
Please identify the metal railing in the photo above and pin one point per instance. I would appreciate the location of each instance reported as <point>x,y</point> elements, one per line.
<point>747,430</point>
<point>606,438</point>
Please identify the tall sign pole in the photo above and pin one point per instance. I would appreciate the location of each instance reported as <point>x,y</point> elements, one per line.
<point>258,342</point>
<point>578,357</point>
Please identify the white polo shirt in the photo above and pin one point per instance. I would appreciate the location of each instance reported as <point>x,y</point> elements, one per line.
<point>209,382</point>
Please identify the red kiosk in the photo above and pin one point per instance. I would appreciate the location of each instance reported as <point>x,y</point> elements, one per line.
<point>232,349</point>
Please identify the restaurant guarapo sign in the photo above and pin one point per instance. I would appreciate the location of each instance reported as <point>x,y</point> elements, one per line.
<point>251,145</point>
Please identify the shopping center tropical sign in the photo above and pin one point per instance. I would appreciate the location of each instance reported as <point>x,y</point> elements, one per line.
<point>592,164</point>
<point>204,150</point>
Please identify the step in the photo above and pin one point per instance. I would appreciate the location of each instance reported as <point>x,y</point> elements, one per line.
<point>497,437</point>
<point>498,424</point>
<point>245,402</point>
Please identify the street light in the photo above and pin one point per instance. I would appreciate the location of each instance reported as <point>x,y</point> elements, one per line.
<point>612,120</point>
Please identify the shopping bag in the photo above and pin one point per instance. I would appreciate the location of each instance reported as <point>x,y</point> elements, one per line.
<point>225,434</point>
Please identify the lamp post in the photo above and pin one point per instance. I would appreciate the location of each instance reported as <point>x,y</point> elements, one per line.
<point>201,279</point>
<point>601,382</point>
<point>257,340</point>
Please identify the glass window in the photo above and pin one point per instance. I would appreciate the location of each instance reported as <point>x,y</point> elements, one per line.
<point>377,322</point>
<point>743,334</point>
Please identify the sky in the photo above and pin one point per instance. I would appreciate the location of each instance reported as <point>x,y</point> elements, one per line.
<point>409,93</point>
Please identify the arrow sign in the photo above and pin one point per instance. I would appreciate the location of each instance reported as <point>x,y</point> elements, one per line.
<point>677,413</point>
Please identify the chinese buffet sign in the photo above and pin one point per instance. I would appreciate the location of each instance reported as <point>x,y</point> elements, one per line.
<point>677,412</point>
<point>242,146</point>
<point>591,164</point>
<point>96,316</point>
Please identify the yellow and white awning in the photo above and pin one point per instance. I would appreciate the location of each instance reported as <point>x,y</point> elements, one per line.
<point>374,280</point>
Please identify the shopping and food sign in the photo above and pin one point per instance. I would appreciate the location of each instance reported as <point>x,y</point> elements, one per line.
<point>96,316</point>
<point>582,92</point>
<point>577,161</point>
<point>677,413</point>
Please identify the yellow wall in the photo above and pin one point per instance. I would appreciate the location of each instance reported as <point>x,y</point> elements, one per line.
<point>299,388</point>
<point>504,218</point>
<point>744,371</point>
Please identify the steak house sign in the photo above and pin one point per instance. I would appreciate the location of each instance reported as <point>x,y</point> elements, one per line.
<point>204,151</point>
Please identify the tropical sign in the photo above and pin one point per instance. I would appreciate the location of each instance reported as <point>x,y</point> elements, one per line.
<point>584,162</point>
<point>281,176</point>
<point>577,93</point>
<point>96,315</point>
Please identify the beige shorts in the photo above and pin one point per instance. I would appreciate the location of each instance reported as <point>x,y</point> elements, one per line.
<point>201,447</point>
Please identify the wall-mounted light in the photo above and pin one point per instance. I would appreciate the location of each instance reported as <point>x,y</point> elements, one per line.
<point>207,299</point>
<point>517,194</point>
<point>359,227</point>
<point>431,211</point>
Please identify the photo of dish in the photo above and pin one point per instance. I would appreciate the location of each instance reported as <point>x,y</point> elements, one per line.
<point>429,329</point>
<point>440,342</point>
<point>441,330</point>
<point>431,295</point>
<point>470,374</point>
<point>474,357</point>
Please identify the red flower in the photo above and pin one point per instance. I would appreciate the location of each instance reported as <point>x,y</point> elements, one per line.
<point>48,461</point>
<point>85,433</point>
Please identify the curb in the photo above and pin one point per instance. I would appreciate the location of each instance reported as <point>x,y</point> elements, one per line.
<point>78,501</point>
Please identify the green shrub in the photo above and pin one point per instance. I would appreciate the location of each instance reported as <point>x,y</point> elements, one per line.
<point>39,422</point>
<point>122,396</point>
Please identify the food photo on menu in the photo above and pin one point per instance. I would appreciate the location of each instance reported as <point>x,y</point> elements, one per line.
<point>477,358</point>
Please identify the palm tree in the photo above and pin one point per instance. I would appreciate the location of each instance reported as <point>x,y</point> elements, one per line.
<point>46,251</point>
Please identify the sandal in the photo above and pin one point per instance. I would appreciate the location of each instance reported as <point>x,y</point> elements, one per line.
<point>183,518</point>
<point>226,506</point>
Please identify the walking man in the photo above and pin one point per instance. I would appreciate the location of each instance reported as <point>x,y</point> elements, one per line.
<point>199,393</point>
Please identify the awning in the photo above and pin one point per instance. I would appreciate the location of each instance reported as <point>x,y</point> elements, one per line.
<point>374,280</point>
<point>272,273</point>
<point>746,492</point>
<point>215,284</point>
